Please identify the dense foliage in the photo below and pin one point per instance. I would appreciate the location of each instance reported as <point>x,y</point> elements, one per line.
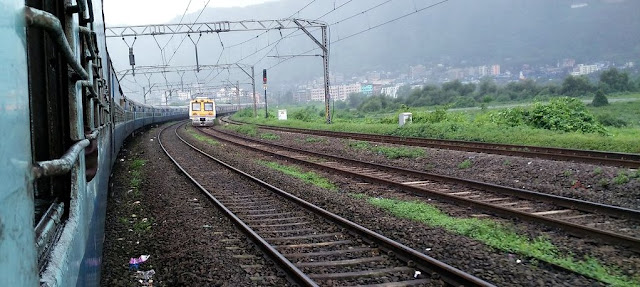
<point>460,95</point>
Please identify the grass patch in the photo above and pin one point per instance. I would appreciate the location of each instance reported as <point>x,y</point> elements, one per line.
<point>269,136</point>
<point>504,238</point>
<point>143,225</point>
<point>250,130</point>
<point>314,140</point>
<point>135,169</point>
<point>388,152</point>
<point>621,178</point>
<point>597,171</point>
<point>465,164</point>
<point>308,177</point>
<point>203,138</point>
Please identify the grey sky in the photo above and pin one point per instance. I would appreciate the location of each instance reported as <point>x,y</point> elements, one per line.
<point>140,12</point>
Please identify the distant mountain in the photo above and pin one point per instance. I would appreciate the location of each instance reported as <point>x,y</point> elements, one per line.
<point>506,32</point>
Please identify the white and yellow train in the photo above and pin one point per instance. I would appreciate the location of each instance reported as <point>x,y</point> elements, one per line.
<point>202,112</point>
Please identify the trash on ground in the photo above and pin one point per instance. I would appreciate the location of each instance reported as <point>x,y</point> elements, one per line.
<point>134,263</point>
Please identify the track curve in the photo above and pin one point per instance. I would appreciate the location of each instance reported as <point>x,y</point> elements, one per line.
<point>272,218</point>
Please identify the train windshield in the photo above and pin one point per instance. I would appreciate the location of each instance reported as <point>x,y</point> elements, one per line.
<point>195,106</point>
<point>208,106</point>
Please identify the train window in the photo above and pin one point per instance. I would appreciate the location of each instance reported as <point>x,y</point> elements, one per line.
<point>208,106</point>
<point>195,106</point>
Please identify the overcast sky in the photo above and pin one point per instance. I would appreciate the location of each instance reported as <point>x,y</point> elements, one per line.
<point>140,12</point>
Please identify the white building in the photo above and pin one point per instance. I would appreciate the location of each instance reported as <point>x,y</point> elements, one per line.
<point>582,69</point>
<point>391,91</point>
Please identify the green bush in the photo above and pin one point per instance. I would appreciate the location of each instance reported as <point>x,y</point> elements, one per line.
<point>600,99</point>
<point>610,120</point>
<point>244,113</point>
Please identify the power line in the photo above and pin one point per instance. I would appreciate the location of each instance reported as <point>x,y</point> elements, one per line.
<point>387,22</point>
<point>305,6</point>
<point>184,37</point>
<point>368,29</point>
<point>360,13</point>
<point>179,22</point>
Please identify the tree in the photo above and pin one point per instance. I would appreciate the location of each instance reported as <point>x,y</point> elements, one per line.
<point>355,100</point>
<point>600,99</point>
<point>613,81</point>
<point>576,86</point>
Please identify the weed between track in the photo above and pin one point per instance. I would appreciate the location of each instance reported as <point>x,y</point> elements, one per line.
<point>269,136</point>
<point>389,152</point>
<point>202,138</point>
<point>308,177</point>
<point>504,238</point>
<point>491,233</point>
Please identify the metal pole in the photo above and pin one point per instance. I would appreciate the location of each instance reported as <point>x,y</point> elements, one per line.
<point>266,113</point>
<point>253,84</point>
<point>325,60</point>
<point>237,95</point>
<point>144,94</point>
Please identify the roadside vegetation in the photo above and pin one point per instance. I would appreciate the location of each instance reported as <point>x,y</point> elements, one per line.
<point>578,114</point>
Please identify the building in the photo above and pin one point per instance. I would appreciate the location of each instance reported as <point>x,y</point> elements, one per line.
<point>582,69</point>
<point>495,70</point>
<point>366,89</point>
<point>483,71</point>
<point>391,91</point>
<point>317,94</point>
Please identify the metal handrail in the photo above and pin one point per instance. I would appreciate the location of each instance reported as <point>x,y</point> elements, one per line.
<point>62,165</point>
<point>50,23</point>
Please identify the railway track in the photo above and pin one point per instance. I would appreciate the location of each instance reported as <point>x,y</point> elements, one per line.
<point>628,160</point>
<point>313,246</point>
<point>610,224</point>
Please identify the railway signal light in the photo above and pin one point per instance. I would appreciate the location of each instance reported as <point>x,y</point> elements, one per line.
<point>264,76</point>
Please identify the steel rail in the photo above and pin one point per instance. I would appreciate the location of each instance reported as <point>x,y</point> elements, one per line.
<point>449,274</point>
<point>629,160</point>
<point>298,276</point>
<point>577,229</point>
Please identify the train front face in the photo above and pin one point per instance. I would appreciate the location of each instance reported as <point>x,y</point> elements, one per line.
<point>202,112</point>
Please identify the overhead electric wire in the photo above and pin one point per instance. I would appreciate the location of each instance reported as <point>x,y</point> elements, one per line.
<point>360,13</point>
<point>184,37</point>
<point>368,29</point>
<point>305,6</point>
<point>179,22</point>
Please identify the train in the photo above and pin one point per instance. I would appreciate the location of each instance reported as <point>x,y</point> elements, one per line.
<point>202,112</point>
<point>64,118</point>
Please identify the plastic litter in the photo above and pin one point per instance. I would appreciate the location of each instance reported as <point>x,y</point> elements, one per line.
<point>145,275</point>
<point>134,263</point>
<point>415,275</point>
